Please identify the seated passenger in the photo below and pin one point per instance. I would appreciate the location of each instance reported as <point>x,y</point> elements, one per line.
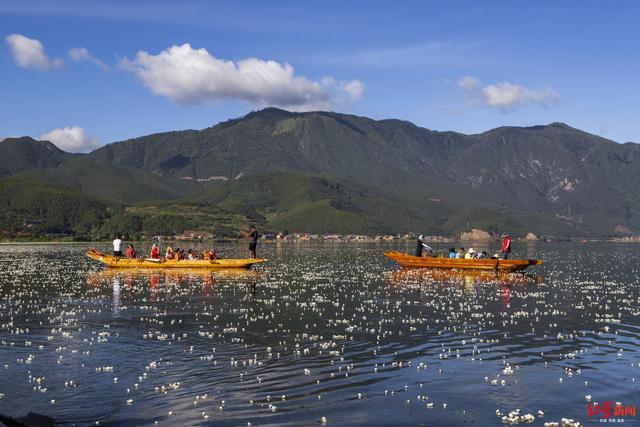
<point>155,253</point>
<point>482,255</point>
<point>169,254</point>
<point>179,255</point>
<point>130,252</point>
<point>452,253</point>
<point>213,255</point>
<point>192,255</point>
<point>460,253</point>
<point>471,253</point>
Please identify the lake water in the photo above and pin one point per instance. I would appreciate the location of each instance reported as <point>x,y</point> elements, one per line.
<point>321,330</point>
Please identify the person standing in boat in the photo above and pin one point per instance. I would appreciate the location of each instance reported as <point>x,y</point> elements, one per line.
<point>117,246</point>
<point>253,241</point>
<point>421,246</point>
<point>505,250</point>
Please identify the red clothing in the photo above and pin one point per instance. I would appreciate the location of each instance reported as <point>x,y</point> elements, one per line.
<point>506,245</point>
<point>155,253</point>
<point>130,253</point>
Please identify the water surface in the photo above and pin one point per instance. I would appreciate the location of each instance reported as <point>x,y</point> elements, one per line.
<point>330,333</point>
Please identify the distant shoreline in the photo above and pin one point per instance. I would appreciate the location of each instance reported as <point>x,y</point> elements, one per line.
<point>327,241</point>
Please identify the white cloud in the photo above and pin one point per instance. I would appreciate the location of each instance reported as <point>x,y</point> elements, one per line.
<point>354,89</point>
<point>505,96</point>
<point>192,76</point>
<point>81,54</point>
<point>469,83</point>
<point>29,53</point>
<point>73,139</point>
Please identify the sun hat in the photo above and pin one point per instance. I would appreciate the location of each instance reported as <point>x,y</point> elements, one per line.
<point>505,235</point>
<point>472,251</point>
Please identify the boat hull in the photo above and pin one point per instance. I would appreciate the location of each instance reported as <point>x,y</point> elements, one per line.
<point>410,261</point>
<point>120,262</point>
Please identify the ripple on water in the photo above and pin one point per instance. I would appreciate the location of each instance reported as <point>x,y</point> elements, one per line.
<point>321,330</point>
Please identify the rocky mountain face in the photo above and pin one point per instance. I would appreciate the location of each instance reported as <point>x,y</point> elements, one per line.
<point>543,178</point>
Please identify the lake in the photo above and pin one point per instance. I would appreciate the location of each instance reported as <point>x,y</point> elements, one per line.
<point>323,333</point>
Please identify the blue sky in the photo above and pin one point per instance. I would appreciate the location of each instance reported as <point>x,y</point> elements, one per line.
<point>466,66</point>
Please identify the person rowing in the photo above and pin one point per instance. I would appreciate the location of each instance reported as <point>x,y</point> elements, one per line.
<point>421,246</point>
<point>253,241</point>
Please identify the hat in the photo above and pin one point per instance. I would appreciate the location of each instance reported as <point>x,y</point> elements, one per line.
<point>505,235</point>
<point>471,251</point>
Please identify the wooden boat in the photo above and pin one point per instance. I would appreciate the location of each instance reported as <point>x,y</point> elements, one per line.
<point>119,262</point>
<point>406,260</point>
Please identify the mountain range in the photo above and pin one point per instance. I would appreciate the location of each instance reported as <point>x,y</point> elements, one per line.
<point>330,172</point>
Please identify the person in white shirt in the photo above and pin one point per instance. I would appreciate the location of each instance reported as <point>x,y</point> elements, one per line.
<point>117,246</point>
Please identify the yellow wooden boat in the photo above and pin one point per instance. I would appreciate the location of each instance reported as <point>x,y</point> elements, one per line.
<point>406,260</point>
<point>121,262</point>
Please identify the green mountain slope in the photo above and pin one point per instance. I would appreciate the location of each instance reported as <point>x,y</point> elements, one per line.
<point>21,154</point>
<point>37,207</point>
<point>335,172</point>
<point>294,202</point>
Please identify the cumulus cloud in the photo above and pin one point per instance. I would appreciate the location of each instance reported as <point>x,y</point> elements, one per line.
<point>192,76</point>
<point>505,96</point>
<point>73,139</point>
<point>29,53</point>
<point>354,89</point>
<point>81,54</point>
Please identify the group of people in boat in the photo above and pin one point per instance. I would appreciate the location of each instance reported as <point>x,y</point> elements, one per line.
<point>180,254</point>
<point>170,253</point>
<point>422,249</point>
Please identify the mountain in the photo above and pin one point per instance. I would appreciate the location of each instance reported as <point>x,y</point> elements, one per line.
<point>22,154</point>
<point>324,172</point>
<point>35,207</point>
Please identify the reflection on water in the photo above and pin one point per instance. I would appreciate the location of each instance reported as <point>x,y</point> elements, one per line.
<point>324,330</point>
<point>467,281</point>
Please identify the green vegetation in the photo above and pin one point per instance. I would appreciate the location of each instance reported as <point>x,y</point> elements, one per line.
<point>324,172</point>
<point>32,208</point>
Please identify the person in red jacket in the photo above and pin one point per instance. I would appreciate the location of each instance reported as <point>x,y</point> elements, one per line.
<point>506,246</point>
<point>155,253</point>
<point>130,252</point>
